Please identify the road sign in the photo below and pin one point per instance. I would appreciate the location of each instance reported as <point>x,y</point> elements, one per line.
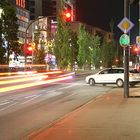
<point>125,25</point>
<point>124,40</point>
<point>138,40</point>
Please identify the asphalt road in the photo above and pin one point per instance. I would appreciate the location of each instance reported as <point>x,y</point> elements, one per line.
<point>23,112</point>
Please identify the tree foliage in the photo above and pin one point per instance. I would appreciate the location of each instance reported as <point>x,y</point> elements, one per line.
<point>74,48</point>
<point>2,49</point>
<point>110,52</point>
<point>40,54</point>
<point>9,28</point>
<point>95,51</point>
<point>62,46</point>
<point>39,49</point>
<point>84,44</point>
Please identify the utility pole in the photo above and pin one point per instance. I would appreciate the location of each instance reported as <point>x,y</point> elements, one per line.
<point>126,55</point>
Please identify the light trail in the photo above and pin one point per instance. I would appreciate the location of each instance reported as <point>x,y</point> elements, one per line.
<point>67,74</point>
<point>12,73</point>
<point>16,87</point>
<point>30,75</point>
<point>25,79</point>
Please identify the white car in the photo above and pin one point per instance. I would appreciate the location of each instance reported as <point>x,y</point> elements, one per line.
<point>113,76</point>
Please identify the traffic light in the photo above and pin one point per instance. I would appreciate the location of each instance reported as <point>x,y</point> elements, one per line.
<point>135,49</point>
<point>67,15</point>
<point>68,12</point>
<point>28,49</point>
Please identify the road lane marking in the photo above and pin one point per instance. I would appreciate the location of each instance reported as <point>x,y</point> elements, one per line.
<point>31,99</point>
<point>4,103</point>
<point>8,106</point>
<point>66,87</point>
<point>31,96</point>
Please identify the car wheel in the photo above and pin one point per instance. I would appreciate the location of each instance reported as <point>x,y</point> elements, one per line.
<point>119,83</point>
<point>91,82</point>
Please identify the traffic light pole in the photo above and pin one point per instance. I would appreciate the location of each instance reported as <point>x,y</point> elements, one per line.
<point>126,56</point>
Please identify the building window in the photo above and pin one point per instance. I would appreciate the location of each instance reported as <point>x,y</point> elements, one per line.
<point>32,10</point>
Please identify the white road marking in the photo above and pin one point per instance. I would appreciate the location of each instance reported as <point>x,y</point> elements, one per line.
<point>4,103</point>
<point>67,87</point>
<point>8,106</point>
<point>33,97</point>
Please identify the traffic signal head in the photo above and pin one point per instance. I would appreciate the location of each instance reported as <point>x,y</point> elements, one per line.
<point>68,12</point>
<point>135,49</point>
<point>28,49</point>
<point>67,16</point>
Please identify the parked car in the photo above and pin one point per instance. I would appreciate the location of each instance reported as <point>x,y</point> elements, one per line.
<point>113,76</point>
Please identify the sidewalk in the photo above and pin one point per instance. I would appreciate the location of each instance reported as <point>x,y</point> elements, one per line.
<point>109,117</point>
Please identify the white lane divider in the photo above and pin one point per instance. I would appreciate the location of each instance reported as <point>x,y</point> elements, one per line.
<point>8,106</point>
<point>4,103</point>
<point>32,98</point>
<point>66,87</point>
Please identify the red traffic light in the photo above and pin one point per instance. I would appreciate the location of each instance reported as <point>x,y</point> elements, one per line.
<point>67,16</point>
<point>28,49</point>
<point>68,12</point>
<point>135,49</point>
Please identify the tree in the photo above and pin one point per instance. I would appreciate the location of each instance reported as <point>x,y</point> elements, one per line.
<point>84,57</point>
<point>65,43</point>
<point>74,48</point>
<point>109,54</point>
<point>40,56</point>
<point>62,49</point>
<point>2,49</point>
<point>10,28</point>
<point>95,51</point>
<point>39,50</point>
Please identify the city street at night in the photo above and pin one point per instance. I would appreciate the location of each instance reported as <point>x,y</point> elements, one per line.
<point>27,110</point>
<point>108,117</point>
<point>69,69</point>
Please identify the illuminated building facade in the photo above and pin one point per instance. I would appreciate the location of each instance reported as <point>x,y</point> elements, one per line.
<point>23,18</point>
<point>41,8</point>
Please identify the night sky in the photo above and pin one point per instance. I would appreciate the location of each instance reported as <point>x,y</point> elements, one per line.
<point>100,12</point>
